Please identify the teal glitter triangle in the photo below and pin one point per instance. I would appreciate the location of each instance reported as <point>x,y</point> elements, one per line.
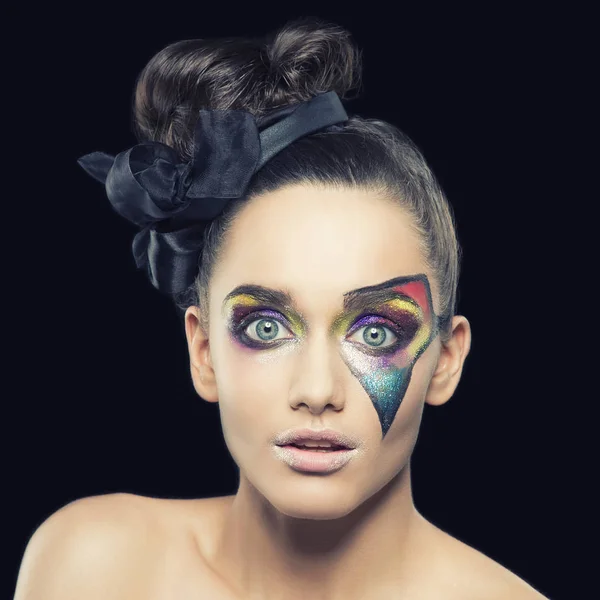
<point>386,388</point>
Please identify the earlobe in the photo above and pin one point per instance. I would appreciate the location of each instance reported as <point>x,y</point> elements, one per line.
<point>450,363</point>
<point>201,369</point>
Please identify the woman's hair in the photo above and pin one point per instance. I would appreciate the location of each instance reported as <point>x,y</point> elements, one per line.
<point>303,58</point>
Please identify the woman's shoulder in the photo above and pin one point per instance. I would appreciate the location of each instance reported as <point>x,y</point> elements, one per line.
<point>472,573</point>
<point>176,518</point>
<point>113,542</point>
<point>183,529</point>
<point>80,549</point>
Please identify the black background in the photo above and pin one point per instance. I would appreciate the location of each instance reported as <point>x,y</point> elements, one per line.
<point>102,399</point>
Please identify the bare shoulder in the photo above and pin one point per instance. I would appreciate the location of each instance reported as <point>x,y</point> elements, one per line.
<point>92,547</point>
<point>472,574</point>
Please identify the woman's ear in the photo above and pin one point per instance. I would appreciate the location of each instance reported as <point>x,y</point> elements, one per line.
<point>450,363</point>
<point>201,368</point>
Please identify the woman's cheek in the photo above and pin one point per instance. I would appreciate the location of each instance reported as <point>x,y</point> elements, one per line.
<point>250,380</point>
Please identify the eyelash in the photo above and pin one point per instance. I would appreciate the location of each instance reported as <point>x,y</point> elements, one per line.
<point>385,323</point>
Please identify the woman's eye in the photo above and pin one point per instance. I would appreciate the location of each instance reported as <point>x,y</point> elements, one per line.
<point>264,330</point>
<point>375,336</point>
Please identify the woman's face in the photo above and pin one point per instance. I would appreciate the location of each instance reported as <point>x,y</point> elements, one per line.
<point>353,348</point>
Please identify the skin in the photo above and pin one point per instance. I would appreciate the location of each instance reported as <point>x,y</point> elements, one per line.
<point>353,533</point>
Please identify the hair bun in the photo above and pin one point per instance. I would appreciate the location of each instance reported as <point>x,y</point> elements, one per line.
<point>303,58</point>
<point>307,57</point>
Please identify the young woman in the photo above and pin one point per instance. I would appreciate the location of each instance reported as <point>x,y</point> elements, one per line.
<point>314,258</point>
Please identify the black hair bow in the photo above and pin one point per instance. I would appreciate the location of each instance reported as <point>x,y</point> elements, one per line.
<point>174,201</point>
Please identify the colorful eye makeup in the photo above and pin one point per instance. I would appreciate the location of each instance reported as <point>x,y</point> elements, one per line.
<point>382,329</point>
<point>252,305</point>
<point>406,301</point>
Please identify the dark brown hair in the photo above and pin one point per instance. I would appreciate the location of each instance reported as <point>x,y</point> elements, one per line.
<point>303,58</point>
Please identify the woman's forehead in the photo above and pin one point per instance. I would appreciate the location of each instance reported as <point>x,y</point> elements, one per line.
<point>311,235</point>
<point>320,245</point>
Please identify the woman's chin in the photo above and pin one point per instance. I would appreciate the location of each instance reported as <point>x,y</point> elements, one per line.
<point>315,507</point>
<point>313,513</point>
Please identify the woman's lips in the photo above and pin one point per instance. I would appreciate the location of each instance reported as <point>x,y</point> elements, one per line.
<point>314,460</point>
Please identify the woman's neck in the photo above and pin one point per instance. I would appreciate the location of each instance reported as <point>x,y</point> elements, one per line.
<point>264,552</point>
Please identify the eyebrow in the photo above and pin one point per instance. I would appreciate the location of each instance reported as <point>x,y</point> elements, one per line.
<point>354,300</point>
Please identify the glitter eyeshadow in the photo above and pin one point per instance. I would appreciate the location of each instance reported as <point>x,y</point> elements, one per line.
<point>385,377</point>
<point>238,307</point>
<point>402,305</point>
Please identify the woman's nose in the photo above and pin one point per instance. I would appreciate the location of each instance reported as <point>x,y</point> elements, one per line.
<point>317,375</point>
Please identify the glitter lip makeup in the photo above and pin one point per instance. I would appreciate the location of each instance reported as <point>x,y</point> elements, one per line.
<point>314,461</point>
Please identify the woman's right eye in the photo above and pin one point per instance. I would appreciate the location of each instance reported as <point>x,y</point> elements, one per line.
<point>265,330</point>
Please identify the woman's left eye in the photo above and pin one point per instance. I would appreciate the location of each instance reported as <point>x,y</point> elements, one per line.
<point>266,329</point>
<point>376,336</point>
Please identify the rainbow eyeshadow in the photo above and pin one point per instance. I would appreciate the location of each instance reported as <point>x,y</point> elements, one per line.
<point>402,306</point>
<point>385,372</point>
<point>250,303</point>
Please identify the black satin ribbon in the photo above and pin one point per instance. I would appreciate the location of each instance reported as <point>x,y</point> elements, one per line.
<point>173,201</point>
